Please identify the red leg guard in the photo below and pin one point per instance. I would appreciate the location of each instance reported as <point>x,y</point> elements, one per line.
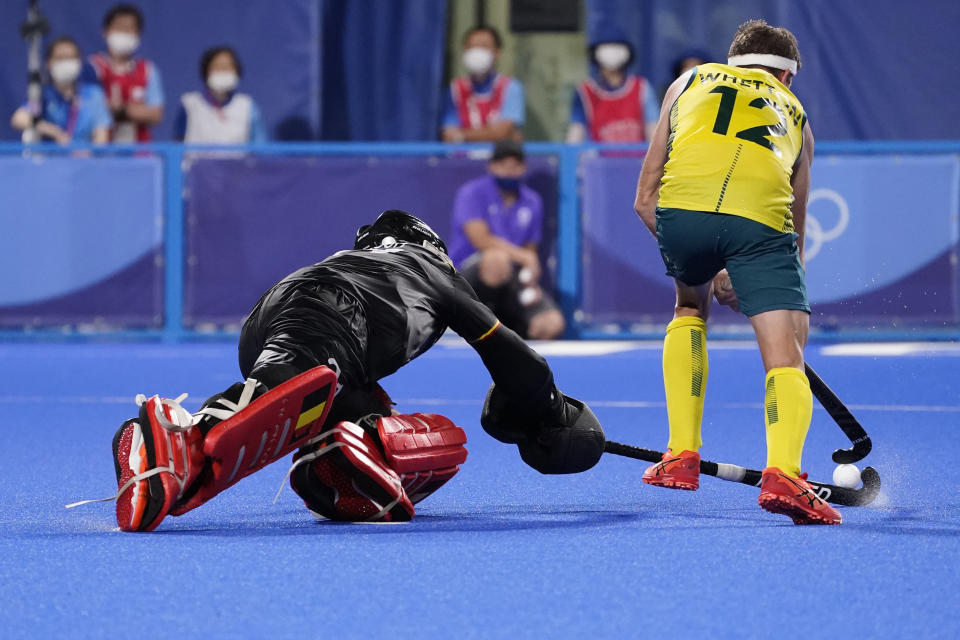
<point>346,478</point>
<point>273,425</point>
<point>426,449</point>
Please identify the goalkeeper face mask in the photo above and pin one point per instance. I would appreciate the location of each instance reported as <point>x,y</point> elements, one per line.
<point>612,56</point>
<point>222,81</point>
<point>64,71</point>
<point>121,43</point>
<point>478,60</point>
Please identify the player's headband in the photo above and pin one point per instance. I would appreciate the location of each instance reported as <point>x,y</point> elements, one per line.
<point>765,59</point>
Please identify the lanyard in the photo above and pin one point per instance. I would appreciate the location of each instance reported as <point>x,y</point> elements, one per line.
<point>73,115</point>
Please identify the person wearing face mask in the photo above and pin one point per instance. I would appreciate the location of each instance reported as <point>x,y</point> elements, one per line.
<point>132,85</point>
<point>614,105</point>
<point>219,114</point>
<point>71,111</point>
<point>484,105</point>
<point>496,227</point>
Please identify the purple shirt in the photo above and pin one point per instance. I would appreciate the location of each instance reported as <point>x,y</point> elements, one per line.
<point>480,199</point>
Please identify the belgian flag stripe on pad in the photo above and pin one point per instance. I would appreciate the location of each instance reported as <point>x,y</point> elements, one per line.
<point>312,407</point>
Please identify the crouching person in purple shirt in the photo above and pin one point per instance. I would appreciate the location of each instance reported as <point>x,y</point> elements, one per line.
<point>497,222</point>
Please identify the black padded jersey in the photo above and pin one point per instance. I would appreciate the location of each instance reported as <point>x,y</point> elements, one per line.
<point>383,308</point>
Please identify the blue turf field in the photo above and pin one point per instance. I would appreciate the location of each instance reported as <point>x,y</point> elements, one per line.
<point>501,551</point>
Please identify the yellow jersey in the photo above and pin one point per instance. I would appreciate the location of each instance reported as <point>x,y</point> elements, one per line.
<point>736,134</point>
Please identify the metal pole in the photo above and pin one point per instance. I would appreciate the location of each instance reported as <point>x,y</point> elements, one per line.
<point>173,241</point>
<point>33,31</point>
<point>568,236</point>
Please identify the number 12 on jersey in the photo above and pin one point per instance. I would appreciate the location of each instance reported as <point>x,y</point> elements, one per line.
<point>758,135</point>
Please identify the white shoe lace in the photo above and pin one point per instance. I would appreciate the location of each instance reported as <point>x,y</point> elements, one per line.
<point>180,421</point>
<point>308,457</point>
<point>228,408</point>
<point>313,455</point>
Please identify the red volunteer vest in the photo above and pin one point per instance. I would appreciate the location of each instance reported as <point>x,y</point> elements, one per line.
<point>129,86</point>
<point>614,116</point>
<point>478,109</point>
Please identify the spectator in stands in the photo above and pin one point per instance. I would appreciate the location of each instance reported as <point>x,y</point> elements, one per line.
<point>219,114</point>
<point>132,85</point>
<point>686,60</point>
<point>483,106</point>
<point>497,223</point>
<point>613,105</point>
<point>70,110</point>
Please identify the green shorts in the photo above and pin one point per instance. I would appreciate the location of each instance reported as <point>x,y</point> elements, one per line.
<point>764,264</point>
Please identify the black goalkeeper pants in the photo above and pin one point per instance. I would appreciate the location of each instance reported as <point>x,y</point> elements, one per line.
<point>293,330</point>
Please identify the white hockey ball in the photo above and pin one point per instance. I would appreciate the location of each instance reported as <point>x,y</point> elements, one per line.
<point>847,476</point>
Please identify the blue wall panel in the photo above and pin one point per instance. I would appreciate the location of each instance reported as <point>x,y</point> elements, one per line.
<point>84,236</point>
<point>881,245</point>
<point>81,241</point>
<point>251,221</point>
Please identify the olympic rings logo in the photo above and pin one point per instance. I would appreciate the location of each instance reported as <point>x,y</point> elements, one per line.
<point>815,236</point>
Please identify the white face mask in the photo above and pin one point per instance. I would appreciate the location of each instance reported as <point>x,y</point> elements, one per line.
<point>65,71</point>
<point>477,60</point>
<point>222,81</point>
<point>612,55</point>
<point>121,43</point>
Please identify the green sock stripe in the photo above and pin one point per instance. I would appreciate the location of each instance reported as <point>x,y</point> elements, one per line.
<point>772,415</point>
<point>696,349</point>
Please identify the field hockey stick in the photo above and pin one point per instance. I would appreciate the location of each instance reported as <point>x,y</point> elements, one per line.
<point>844,419</point>
<point>735,473</point>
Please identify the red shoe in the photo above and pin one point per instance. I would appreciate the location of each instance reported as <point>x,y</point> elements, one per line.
<point>343,476</point>
<point>156,457</point>
<point>675,471</point>
<point>794,497</point>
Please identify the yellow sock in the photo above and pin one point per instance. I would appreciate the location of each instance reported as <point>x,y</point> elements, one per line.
<point>788,408</point>
<point>685,380</point>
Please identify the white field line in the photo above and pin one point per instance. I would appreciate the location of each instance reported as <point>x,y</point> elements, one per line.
<point>643,404</point>
<point>892,349</point>
<point>631,404</point>
<point>579,348</point>
<point>33,399</point>
<point>465,402</point>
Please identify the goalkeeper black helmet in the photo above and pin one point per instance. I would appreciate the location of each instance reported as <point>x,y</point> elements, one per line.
<point>402,227</point>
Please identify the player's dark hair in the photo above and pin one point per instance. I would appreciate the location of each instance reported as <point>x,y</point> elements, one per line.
<point>123,9</point>
<point>62,40</point>
<point>497,40</point>
<point>207,59</point>
<point>756,36</point>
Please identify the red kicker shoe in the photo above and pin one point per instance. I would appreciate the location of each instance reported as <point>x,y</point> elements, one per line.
<point>675,471</point>
<point>345,477</point>
<point>156,456</point>
<point>794,497</point>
